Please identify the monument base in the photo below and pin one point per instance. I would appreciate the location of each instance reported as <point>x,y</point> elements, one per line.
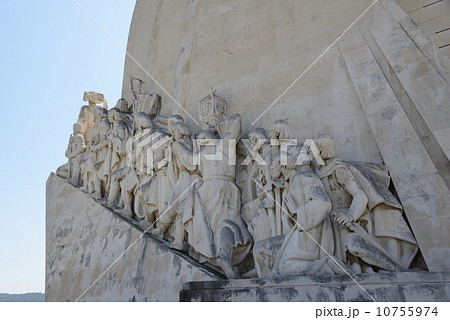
<point>381,287</point>
<point>95,254</point>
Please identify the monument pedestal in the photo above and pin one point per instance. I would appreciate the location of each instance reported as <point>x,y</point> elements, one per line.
<point>392,287</point>
<point>95,254</point>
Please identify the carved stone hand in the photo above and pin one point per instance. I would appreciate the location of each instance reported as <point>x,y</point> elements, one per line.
<point>343,218</point>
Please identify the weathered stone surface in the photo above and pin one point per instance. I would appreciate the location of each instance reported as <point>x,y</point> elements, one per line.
<point>251,52</point>
<point>84,239</point>
<point>388,73</point>
<point>432,17</point>
<point>404,286</point>
<point>382,91</point>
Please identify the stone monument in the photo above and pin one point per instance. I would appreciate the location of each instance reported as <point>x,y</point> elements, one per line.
<point>317,170</point>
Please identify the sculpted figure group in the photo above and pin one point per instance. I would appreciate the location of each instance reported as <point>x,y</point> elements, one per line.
<point>256,207</point>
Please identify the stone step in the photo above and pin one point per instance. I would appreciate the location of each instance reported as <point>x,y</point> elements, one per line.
<point>392,287</point>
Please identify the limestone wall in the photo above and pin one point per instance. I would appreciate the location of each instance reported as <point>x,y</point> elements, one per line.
<point>433,18</point>
<point>251,51</point>
<point>83,239</point>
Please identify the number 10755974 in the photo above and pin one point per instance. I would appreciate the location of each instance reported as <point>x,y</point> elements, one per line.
<point>406,311</point>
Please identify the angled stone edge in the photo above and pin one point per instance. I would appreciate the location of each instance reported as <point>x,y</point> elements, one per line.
<point>402,286</point>
<point>84,238</point>
<point>422,190</point>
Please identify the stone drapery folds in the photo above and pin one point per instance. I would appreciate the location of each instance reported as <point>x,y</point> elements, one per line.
<point>243,206</point>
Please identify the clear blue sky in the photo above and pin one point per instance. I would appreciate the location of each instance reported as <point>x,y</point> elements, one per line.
<point>51,52</point>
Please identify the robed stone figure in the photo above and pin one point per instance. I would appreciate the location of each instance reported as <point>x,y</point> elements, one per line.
<point>216,229</point>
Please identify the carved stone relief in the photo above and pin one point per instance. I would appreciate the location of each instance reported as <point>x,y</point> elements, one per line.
<point>265,216</point>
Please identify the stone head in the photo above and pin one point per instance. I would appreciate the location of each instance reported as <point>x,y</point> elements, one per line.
<point>142,121</point>
<point>173,119</point>
<point>325,144</point>
<point>178,130</point>
<point>115,115</point>
<point>100,113</point>
<point>257,134</point>
<point>77,128</point>
<point>122,105</point>
<point>279,129</point>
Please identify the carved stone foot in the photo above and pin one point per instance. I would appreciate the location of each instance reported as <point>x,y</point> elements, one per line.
<point>157,232</point>
<point>97,196</point>
<point>124,212</point>
<point>177,245</point>
<point>230,271</point>
<point>144,224</point>
<point>250,274</point>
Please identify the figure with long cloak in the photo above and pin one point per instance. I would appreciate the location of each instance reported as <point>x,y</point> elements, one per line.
<point>75,154</point>
<point>100,147</point>
<point>258,210</point>
<point>368,224</point>
<point>87,112</point>
<point>216,230</point>
<point>311,237</point>
<point>158,189</point>
<point>119,135</point>
<point>179,205</point>
<point>280,137</point>
<point>143,126</point>
<point>308,247</point>
<point>96,150</point>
